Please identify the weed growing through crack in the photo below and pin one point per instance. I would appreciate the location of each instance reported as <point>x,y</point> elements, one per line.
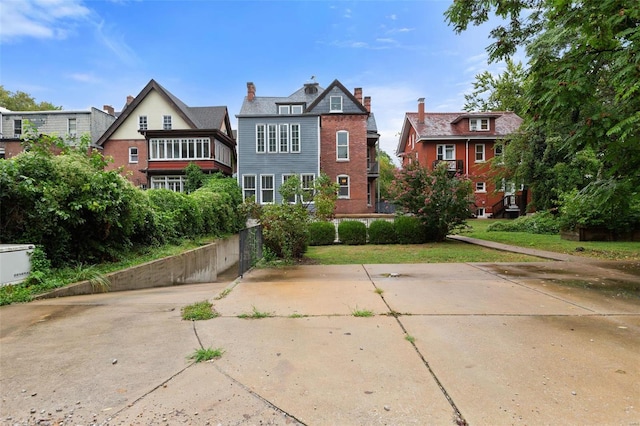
<point>378,290</point>
<point>255,314</point>
<point>199,311</point>
<point>207,354</point>
<point>298,316</point>
<point>410,338</point>
<point>223,294</point>
<point>362,313</point>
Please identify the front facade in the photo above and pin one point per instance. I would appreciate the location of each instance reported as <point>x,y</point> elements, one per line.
<point>156,136</point>
<point>311,131</point>
<point>69,125</point>
<point>467,142</point>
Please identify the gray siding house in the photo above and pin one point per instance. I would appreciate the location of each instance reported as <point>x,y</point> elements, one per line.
<point>277,138</point>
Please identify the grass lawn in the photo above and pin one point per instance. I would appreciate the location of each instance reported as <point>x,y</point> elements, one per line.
<point>445,252</point>
<point>599,249</point>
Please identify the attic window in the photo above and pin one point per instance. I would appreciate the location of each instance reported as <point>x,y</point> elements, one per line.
<point>310,89</point>
<point>335,104</point>
<point>479,124</point>
<point>296,109</point>
<point>284,109</point>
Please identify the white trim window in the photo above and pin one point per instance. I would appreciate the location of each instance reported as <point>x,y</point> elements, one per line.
<point>481,187</point>
<point>272,138</point>
<point>479,124</point>
<point>166,122</point>
<point>267,189</point>
<point>133,154</point>
<point>480,153</point>
<point>180,149</point>
<point>72,127</point>
<point>343,186</point>
<point>17,128</point>
<point>143,122</point>
<point>296,109</point>
<point>307,180</point>
<point>335,103</point>
<point>295,138</point>
<point>342,145</point>
<point>480,212</point>
<point>222,153</point>
<point>446,152</point>
<point>284,138</point>
<point>261,144</point>
<point>284,109</point>
<point>248,187</point>
<point>293,198</point>
<point>172,183</point>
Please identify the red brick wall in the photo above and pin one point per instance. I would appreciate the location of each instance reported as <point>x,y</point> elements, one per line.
<point>355,168</point>
<point>119,150</point>
<point>11,149</point>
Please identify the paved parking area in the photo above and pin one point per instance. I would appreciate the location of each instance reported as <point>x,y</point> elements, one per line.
<point>446,343</point>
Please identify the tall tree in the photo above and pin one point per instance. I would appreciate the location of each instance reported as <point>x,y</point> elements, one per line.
<point>21,101</point>
<point>387,174</point>
<point>583,84</point>
<point>504,92</point>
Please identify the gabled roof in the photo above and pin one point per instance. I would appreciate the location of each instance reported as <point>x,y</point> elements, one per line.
<point>266,105</point>
<point>196,117</point>
<point>340,86</point>
<point>441,125</point>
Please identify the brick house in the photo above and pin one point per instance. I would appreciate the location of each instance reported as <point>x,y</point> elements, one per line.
<point>156,136</point>
<point>69,125</point>
<point>467,141</point>
<point>311,131</point>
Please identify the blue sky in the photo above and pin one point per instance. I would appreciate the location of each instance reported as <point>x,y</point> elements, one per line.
<point>78,54</point>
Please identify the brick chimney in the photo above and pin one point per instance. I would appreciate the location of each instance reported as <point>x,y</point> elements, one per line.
<point>367,103</point>
<point>421,110</point>
<point>109,110</point>
<point>251,91</point>
<point>129,99</point>
<point>357,92</point>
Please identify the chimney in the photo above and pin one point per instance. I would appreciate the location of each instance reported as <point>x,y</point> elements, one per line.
<point>357,92</point>
<point>129,99</point>
<point>421,110</point>
<point>367,103</point>
<point>251,91</point>
<point>109,109</point>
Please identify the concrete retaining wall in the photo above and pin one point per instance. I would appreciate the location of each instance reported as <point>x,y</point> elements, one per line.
<point>200,265</point>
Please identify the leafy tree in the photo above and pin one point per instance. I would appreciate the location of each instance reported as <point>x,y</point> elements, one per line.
<point>323,194</point>
<point>387,171</point>
<point>583,84</point>
<point>285,230</point>
<point>441,201</point>
<point>194,178</point>
<point>499,93</point>
<point>21,101</point>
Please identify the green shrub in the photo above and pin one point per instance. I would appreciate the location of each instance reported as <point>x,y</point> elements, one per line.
<point>537,223</point>
<point>285,229</point>
<point>321,233</point>
<point>382,232</point>
<point>352,232</point>
<point>409,230</point>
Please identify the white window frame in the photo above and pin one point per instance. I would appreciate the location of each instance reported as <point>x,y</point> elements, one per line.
<point>481,212</point>
<point>344,146</point>
<point>443,150</point>
<point>306,183</point>
<point>17,128</point>
<point>264,189</point>
<point>481,187</point>
<point>479,124</point>
<point>172,183</point>
<point>482,158</point>
<point>143,122</point>
<point>166,122</point>
<point>249,189</point>
<point>261,138</point>
<point>180,149</point>
<point>272,138</point>
<point>133,154</point>
<point>341,186</point>
<point>295,138</point>
<point>72,130</point>
<point>286,176</point>
<point>335,103</point>
<point>297,109</point>
<point>284,109</point>
<point>222,153</point>
<point>283,137</point>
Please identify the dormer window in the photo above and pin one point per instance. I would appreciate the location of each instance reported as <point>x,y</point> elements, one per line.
<point>284,109</point>
<point>296,109</point>
<point>335,104</point>
<point>479,124</point>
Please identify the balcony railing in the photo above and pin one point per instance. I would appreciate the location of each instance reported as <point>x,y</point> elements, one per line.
<point>454,166</point>
<point>372,168</point>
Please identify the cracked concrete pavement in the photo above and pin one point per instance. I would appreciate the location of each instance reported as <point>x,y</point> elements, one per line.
<point>447,343</point>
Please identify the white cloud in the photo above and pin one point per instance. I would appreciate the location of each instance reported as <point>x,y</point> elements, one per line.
<point>393,17</point>
<point>39,18</point>
<point>84,78</point>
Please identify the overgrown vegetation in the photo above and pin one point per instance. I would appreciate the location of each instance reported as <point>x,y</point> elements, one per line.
<point>538,223</point>
<point>199,311</point>
<point>206,354</point>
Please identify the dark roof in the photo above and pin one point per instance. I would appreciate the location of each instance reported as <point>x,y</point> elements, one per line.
<point>196,117</point>
<point>340,86</point>
<point>266,105</point>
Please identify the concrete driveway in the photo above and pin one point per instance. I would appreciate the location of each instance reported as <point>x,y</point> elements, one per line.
<point>486,344</point>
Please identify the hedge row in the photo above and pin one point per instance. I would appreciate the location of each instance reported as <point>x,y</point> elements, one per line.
<point>404,230</point>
